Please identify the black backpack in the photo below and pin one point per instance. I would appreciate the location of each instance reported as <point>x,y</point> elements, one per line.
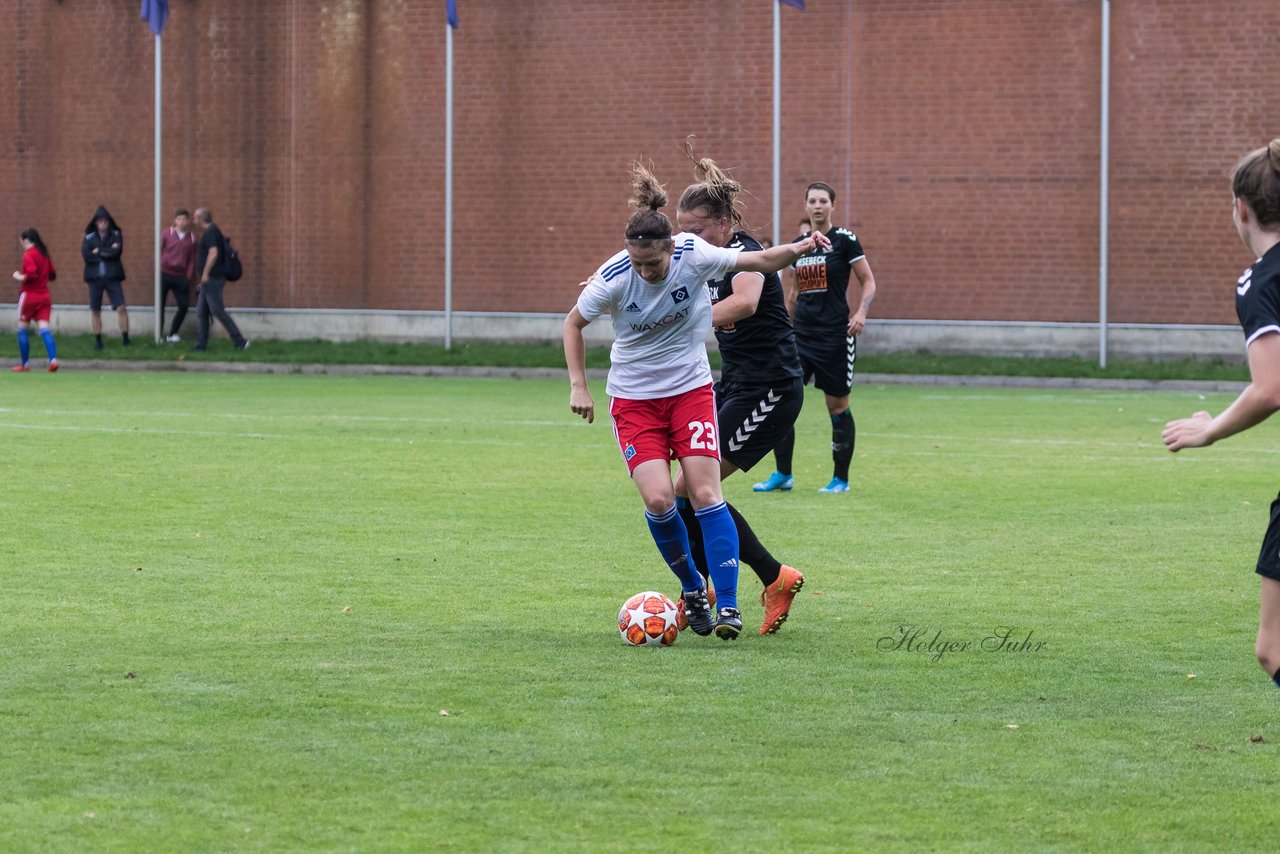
<point>231,267</point>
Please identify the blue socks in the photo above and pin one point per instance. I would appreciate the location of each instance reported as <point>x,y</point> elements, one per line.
<point>720,540</point>
<point>720,545</point>
<point>673,542</point>
<point>24,344</point>
<point>1276,678</point>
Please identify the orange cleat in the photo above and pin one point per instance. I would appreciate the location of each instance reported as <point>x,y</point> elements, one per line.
<point>20,369</point>
<point>776,598</point>
<point>53,365</point>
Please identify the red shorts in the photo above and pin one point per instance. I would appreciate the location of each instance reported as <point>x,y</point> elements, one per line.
<point>666,428</point>
<point>34,307</point>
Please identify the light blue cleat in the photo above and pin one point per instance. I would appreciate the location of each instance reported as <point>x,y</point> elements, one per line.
<point>836,485</point>
<point>777,481</point>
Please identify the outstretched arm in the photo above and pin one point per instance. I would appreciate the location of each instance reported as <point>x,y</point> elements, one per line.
<point>1254,405</point>
<point>773,259</point>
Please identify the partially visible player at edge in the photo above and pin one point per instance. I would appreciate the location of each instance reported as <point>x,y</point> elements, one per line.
<point>660,384</point>
<point>34,300</point>
<point>1255,208</point>
<point>827,324</point>
<point>760,391</point>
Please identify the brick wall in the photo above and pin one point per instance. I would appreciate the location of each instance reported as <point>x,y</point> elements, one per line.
<point>961,136</point>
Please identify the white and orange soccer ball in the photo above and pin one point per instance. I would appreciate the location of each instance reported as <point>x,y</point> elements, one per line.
<point>648,619</point>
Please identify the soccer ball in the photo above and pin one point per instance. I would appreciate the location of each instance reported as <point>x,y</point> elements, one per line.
<point>648,619</point>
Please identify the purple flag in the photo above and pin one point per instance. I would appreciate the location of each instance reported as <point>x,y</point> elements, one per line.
<point>452,13</point>
<point>155,13</point>
<point>799,4</point>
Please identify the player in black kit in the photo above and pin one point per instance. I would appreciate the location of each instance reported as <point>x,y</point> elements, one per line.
<point>760,391</point>
<point>1255,186</point>
<point>827,323</point>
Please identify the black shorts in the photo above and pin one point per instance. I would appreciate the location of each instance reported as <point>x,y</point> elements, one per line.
<point>1269,557</point>
<point>827,358</point>
<point>114,289</point>
<point>753,419</point>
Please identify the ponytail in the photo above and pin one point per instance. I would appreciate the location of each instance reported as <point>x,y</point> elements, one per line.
<point>1256,181</point>
<point>714,190</point>
<point>648,196</point>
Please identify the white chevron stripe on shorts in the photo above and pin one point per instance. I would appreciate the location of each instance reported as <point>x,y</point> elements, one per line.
<point>851,347</point>
<point>757,417</point>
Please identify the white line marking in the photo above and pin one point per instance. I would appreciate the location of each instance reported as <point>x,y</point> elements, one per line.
<point>319,416</point>
<point>291,437</point>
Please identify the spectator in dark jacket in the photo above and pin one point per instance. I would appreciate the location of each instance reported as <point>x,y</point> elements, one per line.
<point>104,272</point>
<point>211,255</point>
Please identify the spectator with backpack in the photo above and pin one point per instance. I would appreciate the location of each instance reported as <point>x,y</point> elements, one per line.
<point>216,263</point>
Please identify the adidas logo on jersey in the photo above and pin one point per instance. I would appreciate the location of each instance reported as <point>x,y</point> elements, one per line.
<point>633,307</point>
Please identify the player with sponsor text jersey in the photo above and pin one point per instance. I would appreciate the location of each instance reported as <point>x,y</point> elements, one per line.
<point>827,324</point>
<point>660,382</point>
<point>1255,209</point>
<point>760,391</point>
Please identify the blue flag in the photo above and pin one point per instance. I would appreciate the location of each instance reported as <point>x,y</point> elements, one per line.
<point>155,13</point>
<point>799,4</point>
<point>452,13</point>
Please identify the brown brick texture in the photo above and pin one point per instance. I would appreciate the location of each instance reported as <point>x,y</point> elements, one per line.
<point>962,137</point>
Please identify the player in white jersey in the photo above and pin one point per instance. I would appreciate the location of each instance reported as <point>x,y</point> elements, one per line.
<point>663,407</point>
<point>1255,188</point>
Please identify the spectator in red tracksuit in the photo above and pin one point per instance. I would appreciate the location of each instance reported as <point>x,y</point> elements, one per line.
<point>34,302</point>
<point>177,269</point>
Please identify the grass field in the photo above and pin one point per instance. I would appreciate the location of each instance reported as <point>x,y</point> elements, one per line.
<point>237,608</point>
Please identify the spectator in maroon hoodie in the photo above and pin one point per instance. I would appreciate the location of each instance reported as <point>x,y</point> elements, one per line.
<point>177,269</point>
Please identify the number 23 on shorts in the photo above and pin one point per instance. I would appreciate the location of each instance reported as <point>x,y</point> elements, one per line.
<point>702,436</point>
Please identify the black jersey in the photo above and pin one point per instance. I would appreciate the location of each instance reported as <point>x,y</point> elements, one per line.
<point>1258,296</point>
<point>760,349</point>
<point>822,283</point>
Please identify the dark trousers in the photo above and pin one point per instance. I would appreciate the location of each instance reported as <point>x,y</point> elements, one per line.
<point>181,296</point>
<point>210,303</point>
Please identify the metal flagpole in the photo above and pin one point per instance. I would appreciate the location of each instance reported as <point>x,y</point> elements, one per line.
<point>777,120</point>
<point>1104,184</point>
<point>159,305</point>
<point>448,188</point>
